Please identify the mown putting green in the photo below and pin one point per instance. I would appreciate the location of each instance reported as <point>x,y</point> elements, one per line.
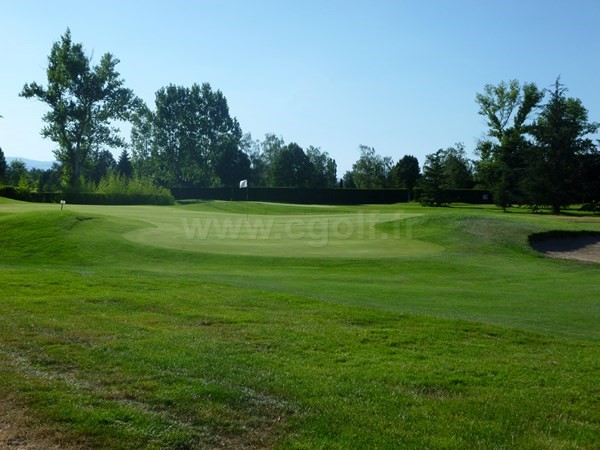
<point>313,233</point>
<point>292,235</point>
<point>262,325</point>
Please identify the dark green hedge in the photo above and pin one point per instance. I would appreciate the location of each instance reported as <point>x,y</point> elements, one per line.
<point>16,194</point>
<point>116,199</point>
<point>85,198</point>
<point>280,195</point>
<point>323,196</point>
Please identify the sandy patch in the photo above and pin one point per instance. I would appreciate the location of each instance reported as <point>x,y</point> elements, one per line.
<point>581,248</point>
<point>20,431</point>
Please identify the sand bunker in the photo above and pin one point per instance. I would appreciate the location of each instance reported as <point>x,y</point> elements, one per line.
<point>579,247</point>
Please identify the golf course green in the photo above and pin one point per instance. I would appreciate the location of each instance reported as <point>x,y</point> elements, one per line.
<point>241,324</point>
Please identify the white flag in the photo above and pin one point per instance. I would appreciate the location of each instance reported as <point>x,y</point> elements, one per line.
<point>243,184</point>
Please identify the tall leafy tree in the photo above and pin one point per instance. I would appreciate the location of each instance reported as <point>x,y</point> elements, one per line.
<point>371,170</point>
<point>457,167</point>
<point>271,146</point>
<point>179,157</point>
<point>84,101</point>
<point>16,171</point>
<point>232,165</point>
<point>325,168</point>
<point>258,173</point>
<point>191,128</point>
<point>291,167</point>
<point>507,108</point>
<point>406,173</point>
<point>561,135</point>
<point>348,180</point>
<point>142,142</point>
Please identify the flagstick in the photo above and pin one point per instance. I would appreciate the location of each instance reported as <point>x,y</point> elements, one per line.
<point>247,201</point>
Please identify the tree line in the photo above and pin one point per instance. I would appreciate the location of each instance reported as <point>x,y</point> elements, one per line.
<point>537,150</point>
<point>186,138</point>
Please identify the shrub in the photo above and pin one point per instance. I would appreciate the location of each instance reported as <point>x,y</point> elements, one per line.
<point>119,190</point>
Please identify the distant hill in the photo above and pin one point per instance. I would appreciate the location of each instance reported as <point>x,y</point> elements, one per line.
<point>31,163</point>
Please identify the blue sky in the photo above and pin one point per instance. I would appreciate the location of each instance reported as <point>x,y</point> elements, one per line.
<point>400,76</point>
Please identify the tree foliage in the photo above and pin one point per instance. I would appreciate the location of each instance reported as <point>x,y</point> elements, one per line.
<point>458,169</point>
<point>543,161</point>
<point>183,141</point>
<point>588,180</point>
<point>324,168</point>
<point>507,108</point>
<point>142,142</point>
<point>232,165</point>
<point>115,188</point>
<point>189,139</point>
<point>47,180</point>
<point>434,181</point>
<point>406,172</point>
<point>292,168</point>
<point>16,171</point>
<point>258,173</point>
<point>102,162</point>
<point>371,170</point>
<point>273,163</point>
<point>124,166</point>
<point>560,132</point>
<point>348,180</point>
<point>270,147</point>
<point>84,101</point>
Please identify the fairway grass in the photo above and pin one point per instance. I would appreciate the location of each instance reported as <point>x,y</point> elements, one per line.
<point>225,324</point>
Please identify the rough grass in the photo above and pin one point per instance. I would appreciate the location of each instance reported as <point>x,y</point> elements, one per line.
<point>110,343</point>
